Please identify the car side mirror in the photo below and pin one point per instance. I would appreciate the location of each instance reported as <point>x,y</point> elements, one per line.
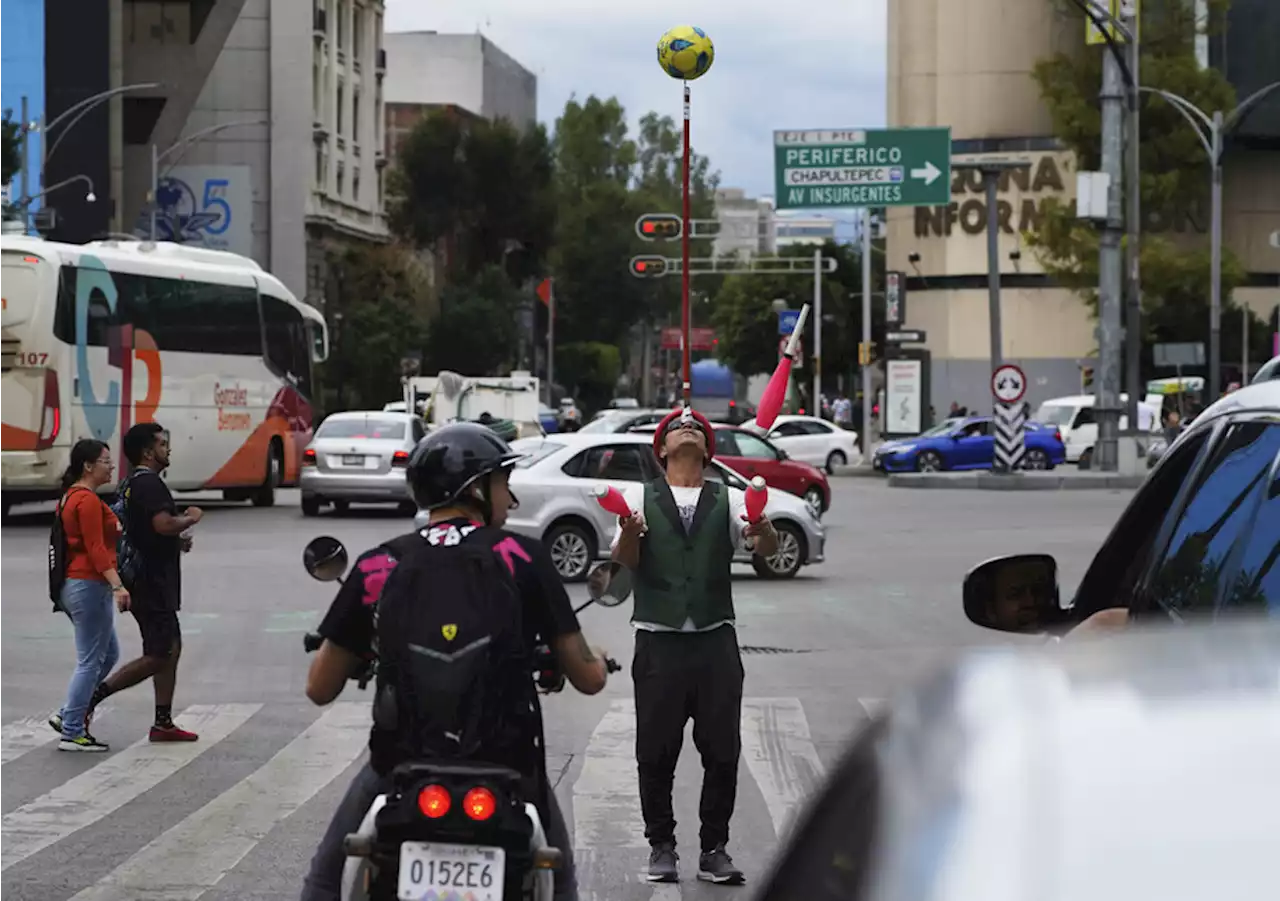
<point>783,455</point>
<point>1018,593</point>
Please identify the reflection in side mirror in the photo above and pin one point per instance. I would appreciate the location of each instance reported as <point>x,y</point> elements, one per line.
<point>1014,594</point>
<point>325,558</point>
<point>609,584</point>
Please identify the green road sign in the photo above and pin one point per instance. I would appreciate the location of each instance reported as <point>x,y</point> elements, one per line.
<point>862,167</point>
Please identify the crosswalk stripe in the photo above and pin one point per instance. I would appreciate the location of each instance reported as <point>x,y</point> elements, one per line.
<point>606,797</point>
<point>23,736</point>
<point>114,782</point>
<point>185,862</point>
<point>780,756</point>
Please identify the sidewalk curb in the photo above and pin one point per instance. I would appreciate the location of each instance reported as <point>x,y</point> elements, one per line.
<point>1018,481</point>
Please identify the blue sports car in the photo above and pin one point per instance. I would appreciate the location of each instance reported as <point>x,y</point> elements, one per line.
<point>967,443</point>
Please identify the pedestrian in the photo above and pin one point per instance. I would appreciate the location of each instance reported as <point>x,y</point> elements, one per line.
<point>91,589</point>
<point>158,532</point>
<point>679,543</point>
<point>843,413</point>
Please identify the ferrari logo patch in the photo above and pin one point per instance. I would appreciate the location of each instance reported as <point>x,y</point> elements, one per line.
<point>449,631</point>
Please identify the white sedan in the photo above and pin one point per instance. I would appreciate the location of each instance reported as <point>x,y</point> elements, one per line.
<point>814,441</point>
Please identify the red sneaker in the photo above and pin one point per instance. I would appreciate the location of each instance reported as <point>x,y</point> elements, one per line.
<point>171,733</point>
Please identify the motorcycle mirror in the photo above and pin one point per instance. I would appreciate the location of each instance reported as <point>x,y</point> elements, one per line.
<point>325,559</point>
<point>609,584</point>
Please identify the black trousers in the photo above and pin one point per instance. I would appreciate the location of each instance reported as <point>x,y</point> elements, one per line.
<point>678,675</point>
<point>324,880</point>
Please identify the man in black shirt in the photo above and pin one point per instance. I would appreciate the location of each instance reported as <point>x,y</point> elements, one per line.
<point>458,473</point>
<point>158,531</point>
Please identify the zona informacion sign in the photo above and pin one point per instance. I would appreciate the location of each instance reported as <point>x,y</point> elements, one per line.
<point>862,167</point>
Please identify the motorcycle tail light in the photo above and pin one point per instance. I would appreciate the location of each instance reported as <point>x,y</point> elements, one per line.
<point>308,457</point>
<point>479,803</point>
<point>434,801</point>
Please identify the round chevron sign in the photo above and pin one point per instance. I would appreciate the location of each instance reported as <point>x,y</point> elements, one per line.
<point>1008,384</point>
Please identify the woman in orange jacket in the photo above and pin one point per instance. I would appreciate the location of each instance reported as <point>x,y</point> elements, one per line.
<point>92,584</point>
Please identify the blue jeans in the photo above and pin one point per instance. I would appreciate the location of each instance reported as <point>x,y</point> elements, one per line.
<point>88,603</point>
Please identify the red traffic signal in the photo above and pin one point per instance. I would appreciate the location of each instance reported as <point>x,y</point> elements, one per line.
<point>659,227</point>
<point>648,266</point>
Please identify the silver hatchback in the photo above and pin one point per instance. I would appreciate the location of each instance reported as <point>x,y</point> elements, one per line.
<point>359,456</point>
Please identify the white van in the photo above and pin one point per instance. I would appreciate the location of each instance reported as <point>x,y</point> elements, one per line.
<point>1073,417</point>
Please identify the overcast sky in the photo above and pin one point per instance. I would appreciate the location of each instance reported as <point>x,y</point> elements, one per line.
<point>779,65</point>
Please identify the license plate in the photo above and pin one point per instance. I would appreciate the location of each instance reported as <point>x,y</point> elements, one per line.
<point>434,870</point>
<point>352,460</point>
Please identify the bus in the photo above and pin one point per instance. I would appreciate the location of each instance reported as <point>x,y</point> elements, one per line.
<point>100,336</point>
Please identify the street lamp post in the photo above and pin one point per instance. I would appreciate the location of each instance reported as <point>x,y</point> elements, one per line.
<point>1212,130</point>
<point>181,147</point>
<point>79,110</point>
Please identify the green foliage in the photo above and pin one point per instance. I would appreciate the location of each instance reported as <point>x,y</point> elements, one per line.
<point>482,190</point>
<point>1175,172</point>
<point>747,324</point>
<point>605,180</point>
<point>10,148</point>
<point>476,331</point>
<point>375,316</point>
<point>597,367</point>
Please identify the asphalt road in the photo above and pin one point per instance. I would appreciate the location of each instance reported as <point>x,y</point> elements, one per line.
<point>236,816</point>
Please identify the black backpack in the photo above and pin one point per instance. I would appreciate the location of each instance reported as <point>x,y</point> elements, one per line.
<point>58,554</point>
<point>128,560</point>
<point>454,670</point>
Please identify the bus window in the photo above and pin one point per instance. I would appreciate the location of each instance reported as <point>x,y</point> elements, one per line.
<point>21,287</point>
<point>181,315</point>
<point>288,344</point>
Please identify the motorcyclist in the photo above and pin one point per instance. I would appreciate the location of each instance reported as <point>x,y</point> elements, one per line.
<point>459,475</point>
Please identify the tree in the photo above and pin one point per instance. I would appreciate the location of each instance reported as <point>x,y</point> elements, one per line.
<point>605,180</point>
<point>11,149</point>
<point>476,331</point>
<point>747,325</point>
<point>376,318</point>
<point>479,190</point>
<point>1174,182</point>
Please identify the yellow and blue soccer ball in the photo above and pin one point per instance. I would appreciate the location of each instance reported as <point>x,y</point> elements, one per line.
<point>685,52</point>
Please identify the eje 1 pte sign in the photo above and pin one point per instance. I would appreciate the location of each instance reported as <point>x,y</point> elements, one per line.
<point>862,167</point>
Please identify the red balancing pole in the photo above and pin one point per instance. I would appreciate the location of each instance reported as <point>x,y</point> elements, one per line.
<point>684,258</point>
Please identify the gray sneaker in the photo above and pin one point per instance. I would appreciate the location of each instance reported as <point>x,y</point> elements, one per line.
<point>663,864</point>
<point>717,866</point>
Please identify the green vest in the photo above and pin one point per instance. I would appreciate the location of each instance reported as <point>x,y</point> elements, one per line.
<point>685,575</point>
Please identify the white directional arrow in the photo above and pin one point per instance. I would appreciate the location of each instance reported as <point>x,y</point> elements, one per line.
<point>929,173</point>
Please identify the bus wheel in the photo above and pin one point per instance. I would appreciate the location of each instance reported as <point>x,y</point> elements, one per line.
<point>266,495</point>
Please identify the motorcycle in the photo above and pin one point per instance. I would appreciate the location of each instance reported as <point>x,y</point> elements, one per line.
<point>459,829</point>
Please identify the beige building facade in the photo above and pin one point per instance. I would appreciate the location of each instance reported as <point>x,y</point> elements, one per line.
<point>967,65</point>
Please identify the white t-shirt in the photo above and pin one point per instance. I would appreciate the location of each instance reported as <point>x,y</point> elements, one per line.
<point>687,503</point>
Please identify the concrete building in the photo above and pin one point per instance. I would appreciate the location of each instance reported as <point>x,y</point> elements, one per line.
<point>746,224</point>
<point>304,162</point>
<point>465,72</point>
<point>967,66</point>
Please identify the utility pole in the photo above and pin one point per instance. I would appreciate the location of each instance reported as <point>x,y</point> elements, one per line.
<point>24,185</point>
<point>817,332</point>
<point>867,400</point>
<point>1133,220</point>
<point>1107,386</point>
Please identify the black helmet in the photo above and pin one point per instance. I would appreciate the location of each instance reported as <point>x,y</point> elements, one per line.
<point>450,460</point>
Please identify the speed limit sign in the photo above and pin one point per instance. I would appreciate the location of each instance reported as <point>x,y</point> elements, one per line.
<point>1008,384</point>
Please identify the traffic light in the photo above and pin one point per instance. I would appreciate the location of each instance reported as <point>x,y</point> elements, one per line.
<point>659,227</point>
<point>865,353</point>
<point>648,266</point>
<point>1086,378</point>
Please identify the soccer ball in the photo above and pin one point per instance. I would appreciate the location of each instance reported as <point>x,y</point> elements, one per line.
<point>685,52</point>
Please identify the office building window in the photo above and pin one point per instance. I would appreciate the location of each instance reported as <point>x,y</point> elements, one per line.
<point>357,33</point>
<point>341,181</point>
<point>342,25</point>
<point>355,115</point>
<point>355,186</point>
<point>338,112</point>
